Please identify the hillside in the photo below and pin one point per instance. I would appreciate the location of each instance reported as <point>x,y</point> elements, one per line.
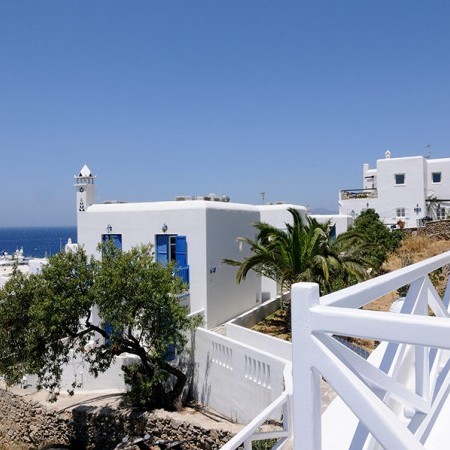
<point>414,248</point>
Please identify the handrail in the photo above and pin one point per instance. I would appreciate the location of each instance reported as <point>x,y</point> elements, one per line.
<point>350,194</point>
<point>413,350</point>
<point>249,432</point>
<point>360,294</point>
<point>358,190</point>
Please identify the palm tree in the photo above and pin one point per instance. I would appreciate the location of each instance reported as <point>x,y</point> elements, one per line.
<point>302,252</point>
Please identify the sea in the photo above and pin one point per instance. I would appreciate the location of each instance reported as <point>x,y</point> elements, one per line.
<point>37,242</point>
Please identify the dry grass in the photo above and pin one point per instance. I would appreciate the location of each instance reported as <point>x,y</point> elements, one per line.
<point>412,249</point>
<point>274,325</point>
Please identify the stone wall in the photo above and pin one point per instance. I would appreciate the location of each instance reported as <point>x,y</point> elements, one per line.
<point>29,425</point>
<point>26,425</point>
<point>439,229</point>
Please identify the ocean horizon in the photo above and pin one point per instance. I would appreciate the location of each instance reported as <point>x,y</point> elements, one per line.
<point>37,242</point>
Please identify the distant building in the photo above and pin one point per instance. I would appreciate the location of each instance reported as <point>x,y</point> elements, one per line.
<point>403,191</point>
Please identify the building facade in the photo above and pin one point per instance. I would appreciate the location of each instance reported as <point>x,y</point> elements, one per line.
<point>197,234</point>
<point>404,191</point>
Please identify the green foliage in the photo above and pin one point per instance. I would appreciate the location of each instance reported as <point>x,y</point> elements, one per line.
<point>265,444</point>
<point>378,239</point>
<point>301,252</point>
<point>146,392</point>
<point>45,318</point>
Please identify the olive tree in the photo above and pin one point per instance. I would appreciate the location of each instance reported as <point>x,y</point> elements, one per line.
<point>45,320</point>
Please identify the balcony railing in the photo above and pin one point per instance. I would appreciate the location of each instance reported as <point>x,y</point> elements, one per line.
<point>397,398</point>
<point>183,273</point>
<point>351,194</point>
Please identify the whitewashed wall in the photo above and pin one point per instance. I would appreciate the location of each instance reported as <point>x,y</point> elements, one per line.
<point>77,371</point>
<point>213,286</point>
<point>392,196</point>
<point>342,222</point>
<point>439,190</point>
<point>278,215</point>
<point>236,380</point>
<point>225,298</point>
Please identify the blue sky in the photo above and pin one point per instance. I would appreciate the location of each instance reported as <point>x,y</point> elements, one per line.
<point>187,97</point>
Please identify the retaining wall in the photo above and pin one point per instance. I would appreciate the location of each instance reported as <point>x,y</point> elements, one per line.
<point>439,229</point>
<point>30,425</point>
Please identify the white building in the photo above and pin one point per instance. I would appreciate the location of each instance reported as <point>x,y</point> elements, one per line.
<point>197,233</point>
<point>409,190</point>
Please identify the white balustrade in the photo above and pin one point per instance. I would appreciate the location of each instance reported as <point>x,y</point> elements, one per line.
<point>396,399</point>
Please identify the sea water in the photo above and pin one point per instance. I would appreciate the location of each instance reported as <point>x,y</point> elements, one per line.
<point>36,242</point>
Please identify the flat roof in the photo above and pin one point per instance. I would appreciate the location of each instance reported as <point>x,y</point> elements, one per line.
<point>188,205</point>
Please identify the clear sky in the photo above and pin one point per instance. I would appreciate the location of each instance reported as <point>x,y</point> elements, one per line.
<point>186,97</point>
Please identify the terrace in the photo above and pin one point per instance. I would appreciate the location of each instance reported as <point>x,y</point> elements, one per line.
<point>350,194</point>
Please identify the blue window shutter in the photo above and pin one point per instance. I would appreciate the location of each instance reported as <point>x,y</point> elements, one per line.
<point>116,239</point>
<point>162,248</point>
<point>171,353</point>
<point>109,330</point>
<point>181,251</point>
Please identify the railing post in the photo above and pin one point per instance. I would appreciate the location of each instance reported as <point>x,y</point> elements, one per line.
<point>306,379</point>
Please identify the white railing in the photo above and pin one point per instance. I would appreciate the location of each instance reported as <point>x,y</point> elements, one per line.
<point>396,399</point>
<point>236,380</point>
<point>251,432</point>
<point>359,194</point>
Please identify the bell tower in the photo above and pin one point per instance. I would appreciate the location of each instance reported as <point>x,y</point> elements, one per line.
<point>84,184</point>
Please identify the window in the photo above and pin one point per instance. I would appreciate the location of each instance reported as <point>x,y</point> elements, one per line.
<point>171,247</point>
<point>436,177</point>
<point>401,212</point>
<point>333,233</point>
<point>399,178</point>
<point>440,214</point>
<point>116,239</point>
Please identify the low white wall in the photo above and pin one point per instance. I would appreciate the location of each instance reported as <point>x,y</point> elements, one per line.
<point>239,330</point>
<point>342,222</point>
<point>235,379</point>
<point>258,313</point>
<point>260,341</point>
<point>111,380</point>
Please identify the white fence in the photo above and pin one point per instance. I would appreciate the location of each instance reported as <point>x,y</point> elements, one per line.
<point>235,379</point>
<point>260,341</point>
<point>282,437</point>
<point>396,399</point>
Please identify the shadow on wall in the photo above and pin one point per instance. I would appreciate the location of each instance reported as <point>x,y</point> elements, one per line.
<point>206,388</point>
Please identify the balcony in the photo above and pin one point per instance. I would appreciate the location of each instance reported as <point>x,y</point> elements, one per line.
<point>351,194</point>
